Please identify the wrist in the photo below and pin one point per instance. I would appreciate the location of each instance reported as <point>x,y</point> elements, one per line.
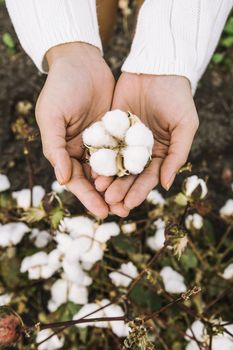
<point>72,52</point>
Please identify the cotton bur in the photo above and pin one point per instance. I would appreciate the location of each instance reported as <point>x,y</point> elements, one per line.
<point>120,144</point>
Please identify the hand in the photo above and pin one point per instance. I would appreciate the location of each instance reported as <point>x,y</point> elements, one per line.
<point>166,106</point>
<point>77,92</point>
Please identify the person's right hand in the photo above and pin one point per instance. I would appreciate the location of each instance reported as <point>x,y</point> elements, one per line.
<point>77,92</point>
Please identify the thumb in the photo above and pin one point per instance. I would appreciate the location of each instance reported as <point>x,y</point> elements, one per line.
<point>53,135</point>
<point>180,144</point>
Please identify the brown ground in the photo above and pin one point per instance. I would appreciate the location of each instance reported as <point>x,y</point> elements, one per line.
<point>212,149</point>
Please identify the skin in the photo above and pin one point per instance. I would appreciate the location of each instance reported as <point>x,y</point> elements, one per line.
<point>78,91</point>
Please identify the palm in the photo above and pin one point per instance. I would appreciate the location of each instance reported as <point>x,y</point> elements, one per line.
<point>166,106</point>
<point>73,98</point>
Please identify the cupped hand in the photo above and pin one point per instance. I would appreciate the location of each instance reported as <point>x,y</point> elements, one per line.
<point>77,92</point>
<point>165,104</point>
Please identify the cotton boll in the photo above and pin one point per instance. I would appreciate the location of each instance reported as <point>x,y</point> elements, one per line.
<point>4,183</point>
<point>119,328</point>
<point>40,238</point>
<point>53,343</point>
<point>103,162</point>
<point>228,272</point>
<point>172,280</point>
<point>121,278</point>
<point>56,187</point>
<point>135,159</point>
<point>86,310</point>
<point>116,123</point>
<point>23,197</point>
<point>139,135</point>
<point>157,241</point>
<point>192,346</point>
<point>155,198</point>
<point>128,227</point>
<point>192,183</point>
<point>12,233</point>
<point>194,221</point>
<point>78,225</point>
<point>5,299</point>
<point>97,136</point>
<point>198,329</point>
<point>73,271</point>
<point>78,294</point>
<point>227,209</point>
<point>94,254</point>
<point>59,293</point>
<point>105,231</point>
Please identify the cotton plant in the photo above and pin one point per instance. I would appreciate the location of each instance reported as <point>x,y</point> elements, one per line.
<point>4,183</point>
<point>120,144</point>
<point>119,328</point>
<point>199,331</point>
<point>23,197</point>
<point>157,241</point>
<point>194,221</point>
<point>64,290</point>
<point>54,343</point>
<point>40,238</point>
<point>125,275</point>
<point>12,233</point>
<point>172,280</point>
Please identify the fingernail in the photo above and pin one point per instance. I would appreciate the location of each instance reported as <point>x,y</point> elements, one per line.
<point>59,176</point>
<point>170,182</point>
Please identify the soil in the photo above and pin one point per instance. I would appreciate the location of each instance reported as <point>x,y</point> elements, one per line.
<point>211,153</point>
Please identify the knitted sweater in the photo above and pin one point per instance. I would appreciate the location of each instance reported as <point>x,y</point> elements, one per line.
<point>174,37</point>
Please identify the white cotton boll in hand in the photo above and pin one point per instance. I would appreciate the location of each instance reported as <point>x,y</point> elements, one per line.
<point>227,209</point>
<point>103,162</point>
<point>139,135</point>
<point>4,183</point>
<point>116,123</point>
<point>135,159</point>
<point>194,221</point>
<point>105,231</point>
<point>56,187</point>
<point>54,343</point>
<point>228,272</point>
<point>97,136</point>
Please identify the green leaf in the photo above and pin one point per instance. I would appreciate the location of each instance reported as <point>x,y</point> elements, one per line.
<point>227,42</point>
<point>218,57</point>
<point>145,297</point>
<point>56,216</point>
<point>9,269</point>
<point>8,41</point>
<point>188,260</point>
<point>123,244</point>
<point>229,26</point>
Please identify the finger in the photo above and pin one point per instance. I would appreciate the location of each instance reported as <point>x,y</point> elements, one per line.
<point>181,141</point>
<point>94,174</point>
<point>103,182</point>
<point>53,133</point>
<point>144,183</point>
<point>86,192</point>
<point>119,210</point>
<point>117,191</point>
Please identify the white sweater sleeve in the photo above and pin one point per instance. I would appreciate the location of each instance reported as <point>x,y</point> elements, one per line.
<point>42,24</point>
<point>177,37</point>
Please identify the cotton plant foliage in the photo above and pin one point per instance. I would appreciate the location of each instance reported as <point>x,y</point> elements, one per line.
<point>120,144</point>
<point>83,264</point>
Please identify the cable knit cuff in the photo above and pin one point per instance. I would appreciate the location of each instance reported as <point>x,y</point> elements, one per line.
<point>42,24</point>
<point>176,37</point>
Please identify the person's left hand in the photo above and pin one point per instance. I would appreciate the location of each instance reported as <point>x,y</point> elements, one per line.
<point>165,104</point>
